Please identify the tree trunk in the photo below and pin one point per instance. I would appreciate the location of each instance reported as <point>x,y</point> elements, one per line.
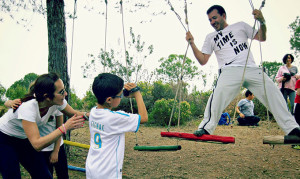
<point>57,41</point>
<point>57,44</point>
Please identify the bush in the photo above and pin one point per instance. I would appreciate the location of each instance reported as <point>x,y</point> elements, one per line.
<point>89,101</point>
<point>198,102</point>
<point>3,110</point>
<point>162,109</point>
<point>261,111</point>
<point>75,101</point>
<point>161,90</point>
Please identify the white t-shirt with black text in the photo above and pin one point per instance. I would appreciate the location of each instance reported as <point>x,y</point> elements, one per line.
<point>231,45</point>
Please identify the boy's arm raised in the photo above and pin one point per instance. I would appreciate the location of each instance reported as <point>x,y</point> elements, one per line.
<point>139,100</point>
<point>141,106</point>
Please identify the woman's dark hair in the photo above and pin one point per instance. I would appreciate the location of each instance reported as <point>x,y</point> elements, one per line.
<point>44,84</point>
<point>284,59</point>
<point>219,8</point>
<point>107,85</point>
<point>248,93</point>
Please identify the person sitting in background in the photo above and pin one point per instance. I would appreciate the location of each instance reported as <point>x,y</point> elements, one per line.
<point>245,109</point>
<point>286,78</point>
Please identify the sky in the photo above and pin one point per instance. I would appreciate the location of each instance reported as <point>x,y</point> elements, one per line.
<point>24,50</point>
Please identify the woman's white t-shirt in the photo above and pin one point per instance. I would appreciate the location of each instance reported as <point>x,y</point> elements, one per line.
<point>11,122</point>
<point>49,127</point>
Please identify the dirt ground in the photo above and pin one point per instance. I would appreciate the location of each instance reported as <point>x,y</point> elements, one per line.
<point>247,158</point>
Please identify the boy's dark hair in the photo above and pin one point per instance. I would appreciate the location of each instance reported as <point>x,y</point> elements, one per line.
<point>107,85</point>
<point>286,56</point>
<point>248,93</point>
<point>219,8</point>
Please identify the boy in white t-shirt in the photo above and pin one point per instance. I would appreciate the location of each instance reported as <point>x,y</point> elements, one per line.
<point>107,127</point>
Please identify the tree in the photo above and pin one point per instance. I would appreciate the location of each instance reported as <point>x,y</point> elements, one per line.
<point>161,90</point>
<point>75,101</point>
<point>170,68</point>
<point>2,93</point>
<point>20,87</point>
<point>106,60</point>
<point>271,68</point>
<point>295,37</point>
<point>57,58</point>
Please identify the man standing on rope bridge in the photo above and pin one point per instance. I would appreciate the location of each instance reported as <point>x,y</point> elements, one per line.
<point>230,44</point>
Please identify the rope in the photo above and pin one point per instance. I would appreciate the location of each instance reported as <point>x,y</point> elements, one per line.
<point>178,87</point>
<point>106,12</point>
<point>262,67</point>
<point>177,15</point>
<point>243,76</point>
<point>182,66</point>
<point>74,13</point>
<point>127,75</point>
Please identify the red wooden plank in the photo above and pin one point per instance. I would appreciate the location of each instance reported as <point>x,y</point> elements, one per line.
<point>204,137</point>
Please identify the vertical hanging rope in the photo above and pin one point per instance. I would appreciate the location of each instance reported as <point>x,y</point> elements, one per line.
<point>182,66</point>
<point>243,76</point>
<point>262,67</point>
<point>105,37</point>
<point>74,14</point>
<point>177,15</point>
<point>124,40</point>
<point>127,75</point>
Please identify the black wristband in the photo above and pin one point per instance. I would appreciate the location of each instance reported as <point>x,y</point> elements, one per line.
<point>126,92</point>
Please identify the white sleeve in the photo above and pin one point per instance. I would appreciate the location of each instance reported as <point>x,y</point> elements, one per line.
<point>249,30</point>
<point>126,122</point>
<point>58,113</point>
<point>27,112</point>
<point>62,107</point>
<point>207,47</point>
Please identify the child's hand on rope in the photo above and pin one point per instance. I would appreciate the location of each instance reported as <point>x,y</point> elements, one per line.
<point>258,15</point>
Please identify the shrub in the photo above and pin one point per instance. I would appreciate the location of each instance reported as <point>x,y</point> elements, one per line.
<point>3,110</point>
<point>89,101</point>
<point>198,102</point>
<point>75,101</point>
<point>261,111</point>
<point>162,109</point>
